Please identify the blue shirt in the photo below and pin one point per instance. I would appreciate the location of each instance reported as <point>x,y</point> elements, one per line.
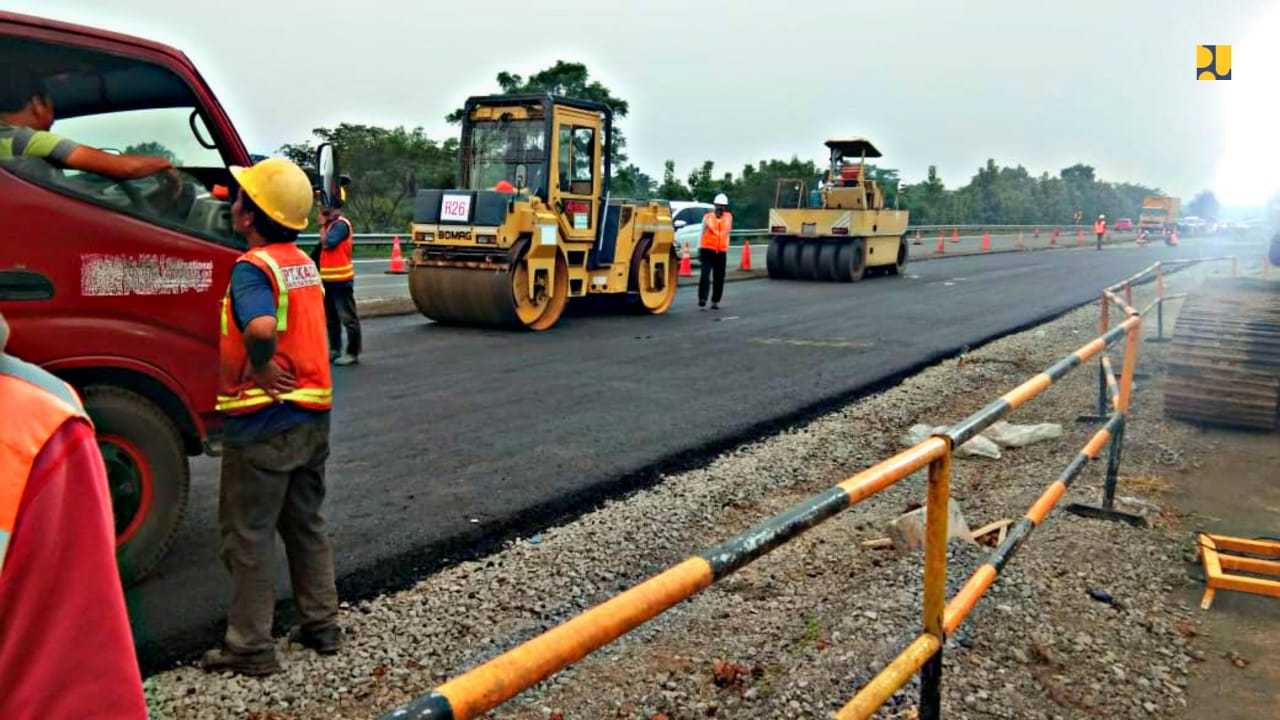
<point>252,297</point>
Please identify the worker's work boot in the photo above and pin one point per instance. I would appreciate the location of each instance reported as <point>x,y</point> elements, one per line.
<point>347,359</point>
<point>334,356</point>
<point>715,306</point>
<point>220,659</point>
<point>326,642</point>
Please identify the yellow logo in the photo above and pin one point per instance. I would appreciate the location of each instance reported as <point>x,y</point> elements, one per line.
<point>1213,62</point>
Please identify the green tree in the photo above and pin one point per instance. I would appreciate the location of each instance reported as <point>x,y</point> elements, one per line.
<point>671,187</point>
<point>386,166</point>
<point>154,149</point>
<point>569,79</point>
<point>1205,205</point>
<point>630,182</point>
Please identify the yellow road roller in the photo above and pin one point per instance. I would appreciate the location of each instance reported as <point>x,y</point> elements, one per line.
<point>842,229</point>
<point>533,224</point>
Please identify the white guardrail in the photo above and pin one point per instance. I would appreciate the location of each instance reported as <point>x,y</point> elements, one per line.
<point>387,238</point>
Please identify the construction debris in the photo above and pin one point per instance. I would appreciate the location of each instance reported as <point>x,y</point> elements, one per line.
<point>1224,363</point>
<point>907,532</point>
<point>1006,434</point>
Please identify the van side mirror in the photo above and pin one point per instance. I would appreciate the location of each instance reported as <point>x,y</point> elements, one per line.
<point>331,194</point>
<point>680,223</point>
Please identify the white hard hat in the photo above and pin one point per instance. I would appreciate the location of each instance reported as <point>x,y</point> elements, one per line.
<point>721,199</point>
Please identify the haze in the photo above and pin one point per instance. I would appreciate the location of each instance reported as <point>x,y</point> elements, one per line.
<point>1104,83</point>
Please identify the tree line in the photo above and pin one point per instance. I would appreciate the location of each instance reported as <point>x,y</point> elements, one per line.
<point>388,165</point>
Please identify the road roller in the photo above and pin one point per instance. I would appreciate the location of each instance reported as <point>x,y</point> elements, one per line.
<point>840,231</point>
<point>532,224</point>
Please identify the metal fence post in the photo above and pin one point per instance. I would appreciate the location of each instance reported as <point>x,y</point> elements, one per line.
<point>1130,363</point>
<point>1113,466</point>
<point>937,511</point>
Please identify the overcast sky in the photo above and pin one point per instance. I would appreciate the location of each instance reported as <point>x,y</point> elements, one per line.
<point>1111,84</point>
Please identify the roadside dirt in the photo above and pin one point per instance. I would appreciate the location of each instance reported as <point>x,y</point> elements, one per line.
<point>797,633</point>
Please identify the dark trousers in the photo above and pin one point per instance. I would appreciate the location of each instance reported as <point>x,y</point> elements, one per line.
<point>276,485</point>
<point>339,313</point>
<point>713,264</point>
<point>1099,240</point>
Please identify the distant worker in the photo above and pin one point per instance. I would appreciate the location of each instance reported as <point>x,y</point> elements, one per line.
<point>713,251</point>
<point>276,390</point>
<point>339,275</point>
<point>26,114</point>
<point>65,646</point>
<point>1100,228</point>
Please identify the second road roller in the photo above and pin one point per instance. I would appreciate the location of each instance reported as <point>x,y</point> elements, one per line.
<point>532,224</point>
<point>842,229</point>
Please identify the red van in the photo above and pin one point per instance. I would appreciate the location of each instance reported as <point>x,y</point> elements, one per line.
<point>115,285</point>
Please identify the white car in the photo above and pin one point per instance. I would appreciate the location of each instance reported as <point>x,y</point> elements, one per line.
<point>687,218</point>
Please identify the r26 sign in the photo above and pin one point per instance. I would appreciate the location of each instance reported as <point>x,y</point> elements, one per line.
<point>455,208</point>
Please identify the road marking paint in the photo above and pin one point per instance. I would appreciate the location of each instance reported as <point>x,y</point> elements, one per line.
<point>833,343</point>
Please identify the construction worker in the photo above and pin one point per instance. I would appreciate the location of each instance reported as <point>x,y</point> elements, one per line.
<point>65,646</point>
<point>27,113</point>
<point>1100,228</point>
<point>275,388</point>
<point>339,275</point>
<point>713,251</point>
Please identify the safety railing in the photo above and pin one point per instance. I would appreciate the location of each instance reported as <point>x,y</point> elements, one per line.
<point>387,238</point>
<point>492,683</point>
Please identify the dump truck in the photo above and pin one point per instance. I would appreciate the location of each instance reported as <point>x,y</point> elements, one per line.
<point>841,232</point>
<point>1158,216</point>
<point>532,224</point>
<point>114,285</point>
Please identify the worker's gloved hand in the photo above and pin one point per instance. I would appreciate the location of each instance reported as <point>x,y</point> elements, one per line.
<point>274,379</point>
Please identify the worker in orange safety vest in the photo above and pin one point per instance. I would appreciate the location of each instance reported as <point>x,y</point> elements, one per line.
<point>65,646</point>
<point>337,236</point>
<point>275,388</point>
<point>1100,228</point>
<point>713,252</point>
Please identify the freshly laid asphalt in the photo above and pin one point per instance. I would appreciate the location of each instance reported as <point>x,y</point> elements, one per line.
<point>449,440</point>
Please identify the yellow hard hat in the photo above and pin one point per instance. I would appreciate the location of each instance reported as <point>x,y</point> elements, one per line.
<point>280,188</point>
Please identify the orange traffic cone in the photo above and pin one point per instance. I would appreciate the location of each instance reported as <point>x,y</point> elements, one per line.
<point>917,240</point>
<point>746,256</point>
<point>1021,247</point>
<point>1053,239</point>
<point>397,260</point>
<point>986,241</point>
<point>1079,237</point>
<point>686,263</point>
<point>941,248</point>
<point>955,235</point>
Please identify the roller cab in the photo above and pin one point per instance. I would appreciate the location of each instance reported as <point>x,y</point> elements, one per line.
<point>533,224</point>
<point>841,229</point>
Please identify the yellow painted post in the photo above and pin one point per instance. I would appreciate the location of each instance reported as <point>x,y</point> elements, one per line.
<point>935,581</point>
<point>1130,363</point>
<point>1104,321</point>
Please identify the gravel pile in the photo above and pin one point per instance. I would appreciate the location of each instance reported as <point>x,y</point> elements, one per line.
<point>800,631</point>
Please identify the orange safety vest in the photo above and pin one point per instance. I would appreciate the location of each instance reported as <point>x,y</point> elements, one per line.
<point>36,405</point>
<point>715,231</point>
<point>1099,227</point>
<point>302,344</point>
<point>335,263</point>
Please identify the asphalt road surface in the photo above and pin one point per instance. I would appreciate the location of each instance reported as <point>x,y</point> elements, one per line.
<point>372,281</point>
<point>447,440</point>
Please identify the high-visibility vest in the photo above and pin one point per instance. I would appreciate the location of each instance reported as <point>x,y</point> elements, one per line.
<point>302,344</point>
<point>1099,227</point>
<point>36,405</point>
<point>335,263</point>
<point>715,231</point>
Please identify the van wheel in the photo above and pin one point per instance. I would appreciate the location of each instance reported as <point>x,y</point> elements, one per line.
<point>147,474</point>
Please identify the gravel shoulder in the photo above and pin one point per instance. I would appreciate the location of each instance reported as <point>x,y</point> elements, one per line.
<point>800,631</point>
